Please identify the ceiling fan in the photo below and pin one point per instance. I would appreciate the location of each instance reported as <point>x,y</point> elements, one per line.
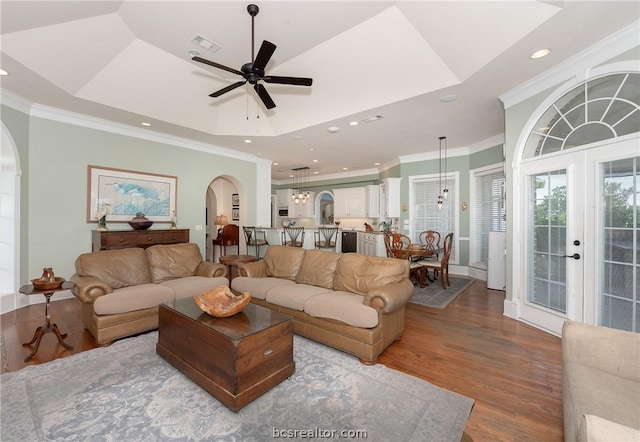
<point>253,72</point>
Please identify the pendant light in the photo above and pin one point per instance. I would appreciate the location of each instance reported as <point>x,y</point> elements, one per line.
<point>440,200</point>
<point>445,191</point>
<point>300,192</point>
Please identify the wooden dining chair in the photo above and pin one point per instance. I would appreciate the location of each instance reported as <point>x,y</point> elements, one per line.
<point>399,246</point>
<point>441,265</point>
<point>430,239</point>
<point>293,236</point>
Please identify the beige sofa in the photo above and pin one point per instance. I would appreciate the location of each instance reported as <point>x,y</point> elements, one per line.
<point>122,289</point>
<point>351,302</point>
<point>601,383</point>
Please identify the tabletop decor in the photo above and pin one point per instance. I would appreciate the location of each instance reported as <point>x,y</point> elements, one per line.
<point>48,281</point>
<point>140,222</point>
<point>128,192</point>
<point>221,302</point>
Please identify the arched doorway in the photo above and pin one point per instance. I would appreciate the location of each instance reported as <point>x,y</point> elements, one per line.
<point>10,221</point>
<point>324,208</point>
<point>224,197</point>
<point>577,196</point>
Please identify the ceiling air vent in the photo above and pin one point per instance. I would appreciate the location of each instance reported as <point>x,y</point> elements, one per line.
<point>205,43</point>
<point>373,118</point>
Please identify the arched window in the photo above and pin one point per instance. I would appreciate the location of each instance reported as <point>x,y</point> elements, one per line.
<point>599,109</point>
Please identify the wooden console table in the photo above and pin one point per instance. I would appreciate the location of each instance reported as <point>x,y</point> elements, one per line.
<point>120,239</point>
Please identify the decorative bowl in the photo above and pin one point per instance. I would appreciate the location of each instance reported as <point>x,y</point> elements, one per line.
<point>140,224</point>
<point>47,284</point>
<point>221,302</point>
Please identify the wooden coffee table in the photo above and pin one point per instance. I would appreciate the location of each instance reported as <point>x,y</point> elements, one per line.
<point>235,359</point>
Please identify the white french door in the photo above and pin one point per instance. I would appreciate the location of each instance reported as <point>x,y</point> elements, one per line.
<point>554,241</point>
<point>581,237</point>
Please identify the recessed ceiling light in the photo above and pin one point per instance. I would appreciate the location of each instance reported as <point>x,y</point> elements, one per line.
<point>333,129</point>
<point>311,149</point>
<point>345,168</point>
<point>247,141</point>
<point>353,123</point>
<point>291,176</point>
<point>146,124</point>
<point>315,161</point>
<point>540,53</point>
<point>3,72</point>
<point>376,164</point>
<point>448,98</point>
<point>315,173</point>
<point>276,164</point>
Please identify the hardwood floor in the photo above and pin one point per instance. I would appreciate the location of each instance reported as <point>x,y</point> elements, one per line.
<point>511,370</point>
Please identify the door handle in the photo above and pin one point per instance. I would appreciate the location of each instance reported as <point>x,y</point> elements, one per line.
<point>574,256</point>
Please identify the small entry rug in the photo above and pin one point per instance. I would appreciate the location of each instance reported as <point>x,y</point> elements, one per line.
<point>126,392</point>
<point>434,296</point>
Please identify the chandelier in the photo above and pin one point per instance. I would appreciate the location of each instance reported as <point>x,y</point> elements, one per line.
<point>300,192</point>
<point>443,192</point>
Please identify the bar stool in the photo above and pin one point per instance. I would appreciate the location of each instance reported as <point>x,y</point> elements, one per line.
<point>325,238</point>
<point>293,236</point>
<point>252,239</point>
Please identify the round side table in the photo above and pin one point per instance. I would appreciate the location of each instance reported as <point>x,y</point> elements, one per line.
<point>234,260</point>
<point>48,327</point>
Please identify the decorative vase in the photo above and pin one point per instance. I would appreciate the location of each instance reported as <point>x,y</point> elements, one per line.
<point>140,222</point>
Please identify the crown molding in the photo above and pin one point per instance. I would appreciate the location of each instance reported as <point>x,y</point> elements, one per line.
<point>576,66</point>
<point>14,101</point>
<point>455,152</point>
<point>496,140</point>
<point>333,176</point>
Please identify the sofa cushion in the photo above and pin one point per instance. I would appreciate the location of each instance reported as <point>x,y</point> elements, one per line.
<point>194,285</point>
<point>132,298</point>
<point>258,287</point>
<point>171,261</point>
<point>585,387</point>
<point>118,268</point>
<point>318,268</point>
<point>283,261</point>
<point>342,306</point>
<point>360,274</point>
<point>293,296</point>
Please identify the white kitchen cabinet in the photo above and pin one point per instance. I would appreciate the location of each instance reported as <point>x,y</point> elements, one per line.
<point>390,198</point>
<point>302,210</point>
<point>371,244</point>
<point>283,196</point>
<point>372,195</point>
<point>349,203</point>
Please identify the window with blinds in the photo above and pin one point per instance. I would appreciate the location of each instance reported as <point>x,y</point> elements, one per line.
<point>487,212</point>
<point>426,213</point>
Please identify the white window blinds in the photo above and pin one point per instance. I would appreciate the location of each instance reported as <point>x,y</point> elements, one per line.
<point>487,213</point>
<point>427,216</point>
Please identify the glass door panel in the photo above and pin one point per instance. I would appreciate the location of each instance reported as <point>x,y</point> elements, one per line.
<point>547,287</point>
<point>620,266</point>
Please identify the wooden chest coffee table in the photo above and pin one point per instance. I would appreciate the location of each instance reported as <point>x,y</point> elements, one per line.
<point>235,359</point>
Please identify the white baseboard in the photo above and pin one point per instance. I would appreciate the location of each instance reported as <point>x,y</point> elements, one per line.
<point>511,309</point>
<point>478,273</point>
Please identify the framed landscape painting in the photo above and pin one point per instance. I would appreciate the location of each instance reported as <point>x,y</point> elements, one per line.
<point>124,193</point>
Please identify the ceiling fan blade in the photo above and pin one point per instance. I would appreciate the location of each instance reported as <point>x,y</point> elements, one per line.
<point>217,65</point>
<point>296,81</point>
<point>264,55</point>
<point>264,96</point>
<point>231,87</point>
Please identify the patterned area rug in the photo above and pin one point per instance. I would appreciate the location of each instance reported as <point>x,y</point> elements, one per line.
<point>126,392</point>
<point>434,296</point>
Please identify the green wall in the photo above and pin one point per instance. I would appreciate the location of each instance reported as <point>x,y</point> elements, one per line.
<point>54,158</point>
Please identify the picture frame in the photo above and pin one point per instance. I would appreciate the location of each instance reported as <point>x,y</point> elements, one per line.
<point>235,200</point>
<point>235,214</point>
<point>124,193</point>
